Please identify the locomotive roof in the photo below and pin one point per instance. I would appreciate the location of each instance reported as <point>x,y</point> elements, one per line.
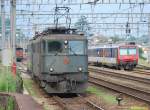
<point>94,47</point>
<point>65,37</point>
<point>111,46</point>
<point>60,37</point>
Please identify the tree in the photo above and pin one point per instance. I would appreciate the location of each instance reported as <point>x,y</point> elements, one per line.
<point>115,39</point>
<point>131,38</point>
<point>143,39</point>
<point>141,54</point>
<point>83,25</point>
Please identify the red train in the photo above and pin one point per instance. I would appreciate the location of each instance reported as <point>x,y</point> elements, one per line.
<point>121,56</point>
<point>19,54</point>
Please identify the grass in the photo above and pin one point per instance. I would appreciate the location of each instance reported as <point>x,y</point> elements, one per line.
<point>7,80</point>
<point>10,104</point>
<point>138,108</point>
<point>144,62</point>
<point>8,83</point>
<point>28,83</point>
<point>107,97</point>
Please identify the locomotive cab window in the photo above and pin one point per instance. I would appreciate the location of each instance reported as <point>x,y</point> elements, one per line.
<point>76,47</point>
<point>44,45</point>
<point>127,51</point>
<point>132,51</point>
<point>54,46</point>
<point>123,51</point>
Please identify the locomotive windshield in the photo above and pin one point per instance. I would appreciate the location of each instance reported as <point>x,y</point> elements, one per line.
<point>76,47</point>
<point>70,48</point>
<point>54,46</point>
<point>127,51</point>
<point>132,51</point>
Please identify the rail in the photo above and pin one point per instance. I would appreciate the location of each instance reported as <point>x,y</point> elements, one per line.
<point>129,76</point>
<point>104,81</point>
<point>67,106</point>
<point>140,66</point>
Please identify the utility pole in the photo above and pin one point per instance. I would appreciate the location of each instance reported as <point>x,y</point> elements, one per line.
<point>3,23</point>
<point>13,27</point>
<point>149,38</point>
<point>149,29</point>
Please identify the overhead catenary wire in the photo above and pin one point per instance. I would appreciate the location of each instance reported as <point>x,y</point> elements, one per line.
<point>39,13</point>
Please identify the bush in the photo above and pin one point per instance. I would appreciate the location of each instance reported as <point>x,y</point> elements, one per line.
<point>8,82</point>
<point>141,54</point>
<point>7,103</point>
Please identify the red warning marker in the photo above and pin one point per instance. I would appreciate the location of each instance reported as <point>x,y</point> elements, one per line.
<point>66,60</point>
<point>13,68</point>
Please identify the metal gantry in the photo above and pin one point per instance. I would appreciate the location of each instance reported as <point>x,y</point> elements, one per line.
<point>79,2</point>
<point>34,14</point>
<point>98,20</point>
<point>12,28</point>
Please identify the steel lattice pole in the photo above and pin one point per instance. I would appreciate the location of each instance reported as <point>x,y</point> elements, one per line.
<point>3,23</point>
<point>13,27</point>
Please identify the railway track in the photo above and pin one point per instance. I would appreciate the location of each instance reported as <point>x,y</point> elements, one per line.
<point>140,66</point>
<point>121,74</point>
<point>141,71</point>
<point>79,103</point>
<point>122,83</point>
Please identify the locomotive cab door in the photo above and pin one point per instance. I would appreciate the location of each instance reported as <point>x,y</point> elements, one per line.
<point>42,53</point>
<point>32,48</point>
<point>40,56</point>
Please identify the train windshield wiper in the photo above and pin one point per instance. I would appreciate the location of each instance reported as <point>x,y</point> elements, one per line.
<point>72,51</point>
<point>58,51</point>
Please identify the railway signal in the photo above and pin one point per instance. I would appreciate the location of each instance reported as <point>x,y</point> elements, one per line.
<point>119,98</point>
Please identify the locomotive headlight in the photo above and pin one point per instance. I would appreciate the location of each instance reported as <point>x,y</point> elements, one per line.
<point>51,69</point>
<point>80,69</point>
<point>66,42</point>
